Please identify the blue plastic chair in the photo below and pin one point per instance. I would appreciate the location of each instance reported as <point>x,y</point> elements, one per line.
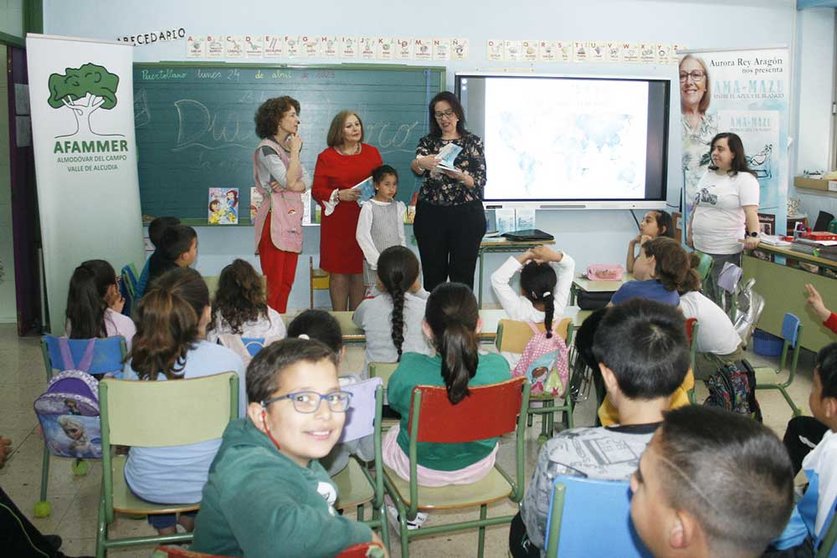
<point>597,522</point>
<point>768,378</point>
<point>108,357</point>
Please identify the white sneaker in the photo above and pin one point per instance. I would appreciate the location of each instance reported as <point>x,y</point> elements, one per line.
<point>416,523</point>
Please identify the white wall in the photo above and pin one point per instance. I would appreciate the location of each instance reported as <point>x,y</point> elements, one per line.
<point>8,304</point>
<point>590,236</point>
<point>814,90</point>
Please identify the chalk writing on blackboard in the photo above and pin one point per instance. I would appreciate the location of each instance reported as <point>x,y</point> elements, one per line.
<point>198,127</point>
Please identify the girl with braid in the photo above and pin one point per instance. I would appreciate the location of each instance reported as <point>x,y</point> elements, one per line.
<point>392,320</point>
<point>545,280</point>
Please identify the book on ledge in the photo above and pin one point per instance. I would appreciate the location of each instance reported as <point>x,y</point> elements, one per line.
<point>528,235</point>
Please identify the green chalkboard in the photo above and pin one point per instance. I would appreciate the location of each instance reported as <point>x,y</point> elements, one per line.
<point>195,129</point>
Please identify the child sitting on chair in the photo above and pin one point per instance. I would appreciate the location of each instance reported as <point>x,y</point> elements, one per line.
<point>545,280</point>
<point>816,509</point>
<point>640,347</point>
<point>267,495</point>
<point>711,483</point>
<point>659,271</point>
<point>240,308</point>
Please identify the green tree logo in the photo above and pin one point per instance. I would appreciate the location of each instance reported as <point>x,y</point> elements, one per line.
<point>83,90</point>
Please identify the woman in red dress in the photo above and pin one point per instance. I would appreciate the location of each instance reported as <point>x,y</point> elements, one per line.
<point>346,162</point>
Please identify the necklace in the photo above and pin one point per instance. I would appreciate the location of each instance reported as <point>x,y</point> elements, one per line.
<point>355,151</point>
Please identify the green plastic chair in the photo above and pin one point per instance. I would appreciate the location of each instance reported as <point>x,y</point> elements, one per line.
<point>829,537</point>
<point>768,378</point>
<point>704,268</point>
<point>384,371</point>
<point>692,329</point>
<point>355,485</point>
<point>488,412</point>
<point>512,336</point>
<point>153,414</point>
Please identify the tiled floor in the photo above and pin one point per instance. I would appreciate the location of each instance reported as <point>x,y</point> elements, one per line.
<point>74,499</point>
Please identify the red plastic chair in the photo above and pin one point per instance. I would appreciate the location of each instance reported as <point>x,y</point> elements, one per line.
<point>362,550</point>
<point>488,412</point>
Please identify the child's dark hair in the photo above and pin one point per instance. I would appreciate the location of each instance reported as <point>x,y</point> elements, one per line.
<point>644,343</point>
<point>398,269</point>
<point>826,367</point>
<point>537,280</point>
<point>168,322</point>
<point>664,223</point>
<point>729,472</point>
<point>382,172</point>
<point>264,373</point>
<point>240,296</point>
<point>86,303</point>
<point>157,226</point>
<point>692,280</point>
<point>452,314</point>
<point>320,326</point>
<point>672,262</point>
<point>177,240</point>
<point>584,338</point>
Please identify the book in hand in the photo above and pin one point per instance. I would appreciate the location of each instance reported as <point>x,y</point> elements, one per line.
<point>366,188</point>
<point>447,155</point>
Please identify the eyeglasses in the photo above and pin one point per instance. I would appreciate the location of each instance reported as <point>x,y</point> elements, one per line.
<point>309,401</point>
<point>696,75</point>
<point>443,114</point>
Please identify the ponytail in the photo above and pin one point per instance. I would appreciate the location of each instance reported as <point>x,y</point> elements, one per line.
<point>86,304</point>
<point>458,347</point>
<point>538,280</point>
<point>452,314</point>
<point>168,324</point>
<point>398,270</point>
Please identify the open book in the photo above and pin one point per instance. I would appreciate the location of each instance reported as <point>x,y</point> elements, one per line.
<point>447,155</point>
<point>366,188</point>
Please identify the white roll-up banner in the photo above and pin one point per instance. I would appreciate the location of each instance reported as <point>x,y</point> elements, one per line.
<point>82,99</point>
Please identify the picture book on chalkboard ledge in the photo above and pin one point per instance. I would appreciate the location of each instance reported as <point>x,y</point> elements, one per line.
<point>256,200</point>
<point>222,208</point>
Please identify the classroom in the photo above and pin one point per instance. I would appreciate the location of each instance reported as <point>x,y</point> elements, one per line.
<point>185,122</point>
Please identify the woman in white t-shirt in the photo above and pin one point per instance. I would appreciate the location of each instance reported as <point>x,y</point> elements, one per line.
<point>725,218</point>
<point>717,341</point>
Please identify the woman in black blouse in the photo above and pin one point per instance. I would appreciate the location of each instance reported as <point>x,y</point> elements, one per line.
<point>450,220</point>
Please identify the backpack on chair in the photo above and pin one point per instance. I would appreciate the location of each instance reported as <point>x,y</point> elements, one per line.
<point>733,387</point>
<point>544,362</point>
<point>69,409</point>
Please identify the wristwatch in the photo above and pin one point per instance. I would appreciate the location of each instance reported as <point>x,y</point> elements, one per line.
<point>753,234</point>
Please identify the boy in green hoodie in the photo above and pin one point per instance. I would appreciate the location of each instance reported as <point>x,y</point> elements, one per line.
<point>267,495</point>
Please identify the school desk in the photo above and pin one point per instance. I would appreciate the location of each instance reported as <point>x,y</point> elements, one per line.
<point>583,284</point>
<point>782,283</point>
<point>352,334</point>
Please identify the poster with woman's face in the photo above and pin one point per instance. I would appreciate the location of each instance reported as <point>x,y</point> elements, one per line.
<point>744,92</point>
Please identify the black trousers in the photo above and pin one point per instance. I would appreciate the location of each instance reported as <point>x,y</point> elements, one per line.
<point>801,436</point>
<point>449,239</point>
<point>18,537</point>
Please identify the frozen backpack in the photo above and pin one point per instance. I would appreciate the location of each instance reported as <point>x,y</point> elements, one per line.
<point>69,409</point>
<point>544,362</point>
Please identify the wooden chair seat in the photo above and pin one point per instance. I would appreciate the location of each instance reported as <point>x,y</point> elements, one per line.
<point>124,501</point>
<point>353,487</point>
<point>492,488</point>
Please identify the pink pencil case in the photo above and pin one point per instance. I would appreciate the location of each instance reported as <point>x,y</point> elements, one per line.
<point>605,272</point>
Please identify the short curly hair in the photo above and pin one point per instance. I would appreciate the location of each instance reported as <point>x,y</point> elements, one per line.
<point>270,112</point>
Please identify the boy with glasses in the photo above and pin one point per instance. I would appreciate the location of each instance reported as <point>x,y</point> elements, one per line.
<point>267,495</point>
